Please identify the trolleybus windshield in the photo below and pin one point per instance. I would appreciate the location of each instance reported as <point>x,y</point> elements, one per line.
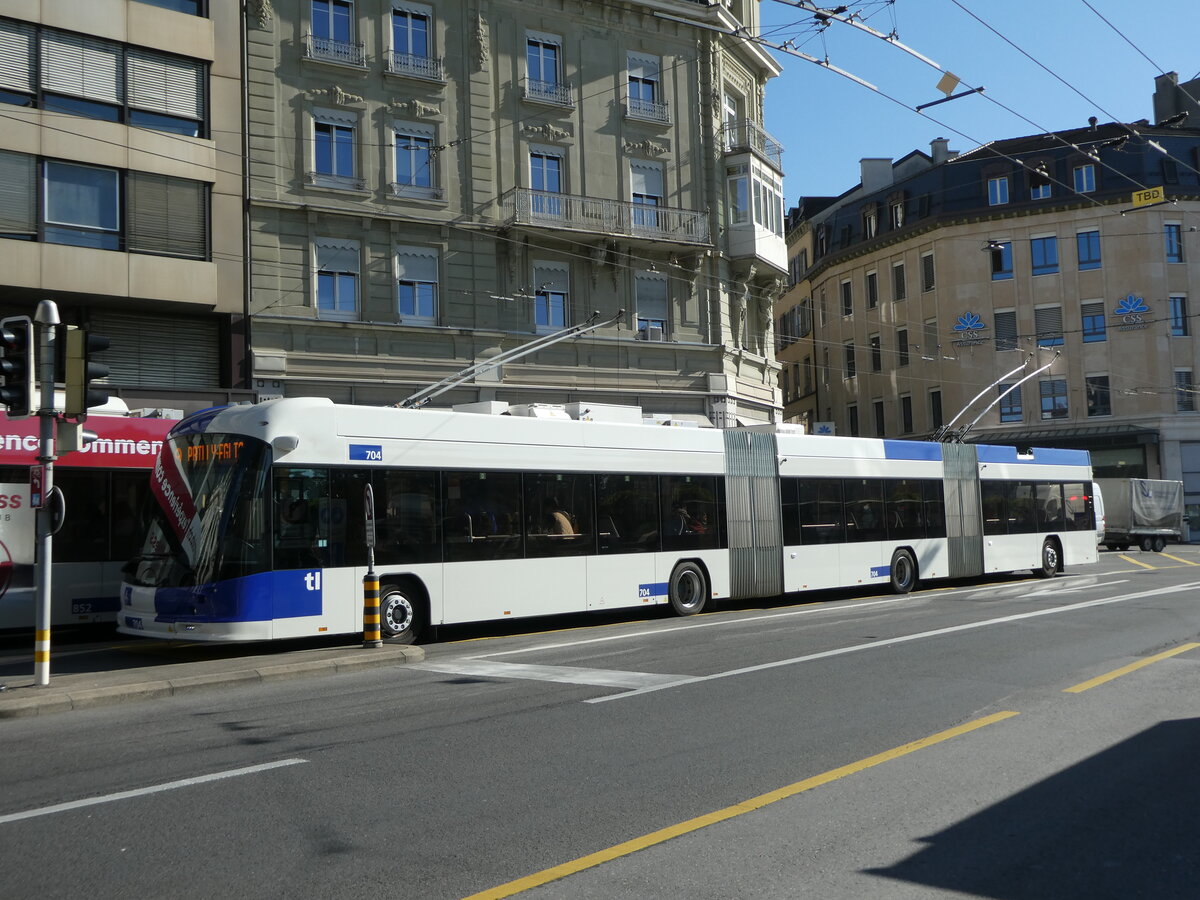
<point>209,513</point>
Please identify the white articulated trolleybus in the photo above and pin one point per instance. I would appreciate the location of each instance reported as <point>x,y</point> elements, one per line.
<point>260,528</point>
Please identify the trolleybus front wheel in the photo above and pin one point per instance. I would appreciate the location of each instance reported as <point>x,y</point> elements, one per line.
<point>401,615</point>
<point>904,572</point>
<point>688,589</point>
<point>1049,566</point>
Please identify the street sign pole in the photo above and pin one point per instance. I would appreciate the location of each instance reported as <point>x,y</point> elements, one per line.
<point>46,319</point>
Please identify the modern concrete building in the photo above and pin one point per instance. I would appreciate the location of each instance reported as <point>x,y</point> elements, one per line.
<point>943,279</point>
<point>121,186</point>
<point>431,185</point>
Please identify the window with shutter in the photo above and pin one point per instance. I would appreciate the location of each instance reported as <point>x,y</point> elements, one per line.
<point>18,195</point>
<point>1006,330</point>
<point>165,92</point>
<point>173,352</point>
<point>78,66</point>
<point>17,42</point>
<point>652,311</point>
<point>1093,322</point>
<point>167,216</point>
<point>417,284</point>
<point>1048,324</point>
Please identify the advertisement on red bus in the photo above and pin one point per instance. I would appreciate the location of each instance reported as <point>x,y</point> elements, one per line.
<point>105,486</point>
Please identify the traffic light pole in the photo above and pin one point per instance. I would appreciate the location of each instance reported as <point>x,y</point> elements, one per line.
<point>46,319</point>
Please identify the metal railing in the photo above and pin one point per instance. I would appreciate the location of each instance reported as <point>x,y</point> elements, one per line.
<point>747,135</point>
<point>428,67</point>
<point>524,206</point>
<point>648,110</point>
<point>556,92</point>
<point>329,50</point>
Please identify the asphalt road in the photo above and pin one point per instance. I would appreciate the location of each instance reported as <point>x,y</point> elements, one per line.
<point>953,742</point>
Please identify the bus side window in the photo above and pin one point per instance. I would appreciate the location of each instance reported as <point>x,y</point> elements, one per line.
<point>627,513</point>
<point>406,517</point>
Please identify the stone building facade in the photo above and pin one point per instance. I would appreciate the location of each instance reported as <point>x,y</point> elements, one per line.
<point>430,186</point>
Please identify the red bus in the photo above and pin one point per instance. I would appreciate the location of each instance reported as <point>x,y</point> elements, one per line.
<point>105,487</point>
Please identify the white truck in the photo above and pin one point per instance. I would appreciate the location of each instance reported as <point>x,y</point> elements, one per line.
<point>1141,512</point>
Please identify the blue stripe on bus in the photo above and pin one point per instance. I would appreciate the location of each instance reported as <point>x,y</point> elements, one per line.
<point>658,589</point>
<point>1038,456</point>
<point>253,598</point>
<point>912,450</point>
<point>881,571</point>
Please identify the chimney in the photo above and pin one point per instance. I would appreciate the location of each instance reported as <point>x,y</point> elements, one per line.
<point>939,149</point>
<point>876,173</point>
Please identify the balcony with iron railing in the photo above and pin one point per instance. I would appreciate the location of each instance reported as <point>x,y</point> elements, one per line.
<point>570,212</point>
<point>655,111</point>
<point>429,68</point>
<point>340,52</point>
<point>557,93</point>
<point>747,135</point>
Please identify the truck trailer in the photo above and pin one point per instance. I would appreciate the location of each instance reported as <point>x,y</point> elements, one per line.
<point>1141,512</point>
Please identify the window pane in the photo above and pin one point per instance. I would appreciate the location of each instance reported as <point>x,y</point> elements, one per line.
<point>627,513</point>
<point>558,515</point>
<point>905,509</point>
<point>821,512</point>
<point>482,515</point>
<point>407,517</point>
<point>83,196</point>
<point>689,512</point>
<point>864,509</point>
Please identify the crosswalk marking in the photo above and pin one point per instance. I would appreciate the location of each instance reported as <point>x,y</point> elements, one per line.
<point>482,668</point>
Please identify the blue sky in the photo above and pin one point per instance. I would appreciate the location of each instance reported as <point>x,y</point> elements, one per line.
<point>827,123</point>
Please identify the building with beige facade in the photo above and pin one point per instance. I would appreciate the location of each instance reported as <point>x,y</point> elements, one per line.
<point>432,185</point>
<point>942,280</point>
<point>121,186</point>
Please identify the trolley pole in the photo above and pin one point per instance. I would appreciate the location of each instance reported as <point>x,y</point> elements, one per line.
<point>46,318</point>
<point>371,637</point>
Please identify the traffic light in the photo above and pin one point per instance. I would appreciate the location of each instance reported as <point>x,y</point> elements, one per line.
<point>18,366</point>
<point>81,371</point>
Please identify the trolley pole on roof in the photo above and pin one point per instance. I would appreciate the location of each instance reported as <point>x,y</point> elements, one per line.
<point>46,319</point>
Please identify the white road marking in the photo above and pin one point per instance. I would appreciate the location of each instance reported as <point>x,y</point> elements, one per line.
<point>726,621</point>
<point>888,642</point>
<point>141,792</point>
<point>564,674</point>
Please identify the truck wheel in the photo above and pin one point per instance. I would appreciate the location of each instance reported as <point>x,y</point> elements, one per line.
<point>1147,544</point>
<point>1122,547</point>
<point>1112,546</point>
<point>1160,544</point>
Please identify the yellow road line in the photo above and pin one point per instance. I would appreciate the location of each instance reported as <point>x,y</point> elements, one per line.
<point>1186,562</point>
<point>665,834</point>
<point>1137,563</point>
<point>1125,670</point>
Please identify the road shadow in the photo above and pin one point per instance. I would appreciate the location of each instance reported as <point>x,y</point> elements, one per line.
<point>1124,823</point>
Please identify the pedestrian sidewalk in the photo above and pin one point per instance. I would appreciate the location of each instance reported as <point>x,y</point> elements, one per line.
<point>151,669</point>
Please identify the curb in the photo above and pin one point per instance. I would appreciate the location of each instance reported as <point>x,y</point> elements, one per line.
<point>19,704</point>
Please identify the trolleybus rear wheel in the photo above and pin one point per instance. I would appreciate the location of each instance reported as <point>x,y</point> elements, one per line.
<point>1049,566</point>
<point>904,572</point>
<point>688,589</point>
<point>400,613</point>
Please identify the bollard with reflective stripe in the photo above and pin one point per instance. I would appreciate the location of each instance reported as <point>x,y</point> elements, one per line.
<point>41,656</point>
<point>371,637</point>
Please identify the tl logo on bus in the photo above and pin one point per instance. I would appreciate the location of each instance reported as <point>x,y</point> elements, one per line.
<point>312,581</point>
